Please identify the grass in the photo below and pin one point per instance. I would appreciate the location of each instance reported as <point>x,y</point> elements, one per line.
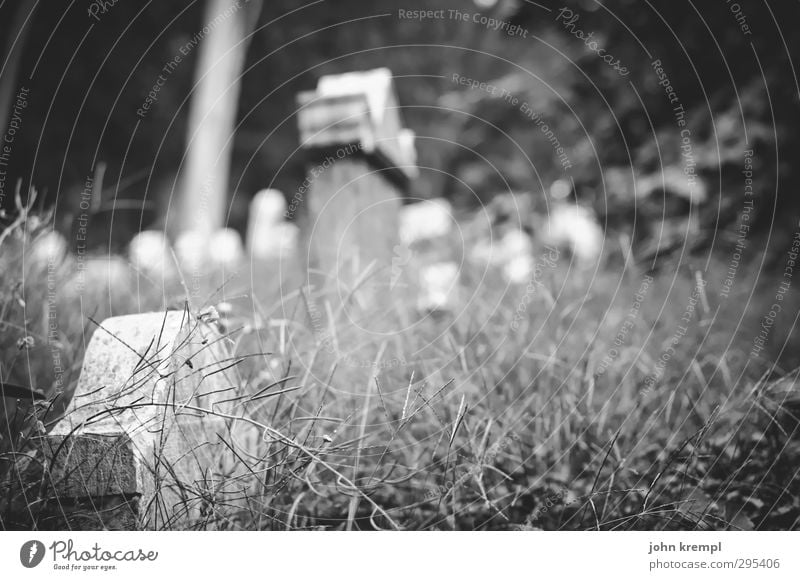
<point>538,407</point>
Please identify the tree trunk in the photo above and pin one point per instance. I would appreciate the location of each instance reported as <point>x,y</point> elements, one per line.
<point>203,193</point>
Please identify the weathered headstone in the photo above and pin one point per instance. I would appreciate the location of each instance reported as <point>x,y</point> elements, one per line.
<point>361,161</point>
<point>134,447</point>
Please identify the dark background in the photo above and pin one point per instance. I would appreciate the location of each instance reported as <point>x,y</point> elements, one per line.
<point>88,78</point>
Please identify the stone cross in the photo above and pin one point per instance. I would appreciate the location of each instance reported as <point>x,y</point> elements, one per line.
<point>360,162</point>
<point>136,444</point>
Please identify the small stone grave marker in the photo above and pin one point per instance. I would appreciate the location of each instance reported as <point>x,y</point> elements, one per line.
<point>133,448</point>
<point>269,236</point>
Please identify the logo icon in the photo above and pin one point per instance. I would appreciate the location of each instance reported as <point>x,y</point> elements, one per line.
<point>31,553</point>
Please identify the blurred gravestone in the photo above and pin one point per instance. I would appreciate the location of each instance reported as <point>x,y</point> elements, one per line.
<point>439,287</point>
<point>149,253</point>
<point>133,446</point>
<point>225,249</point>
<point>361,161</point>
<point>269,236</point>
<point>272,245</point>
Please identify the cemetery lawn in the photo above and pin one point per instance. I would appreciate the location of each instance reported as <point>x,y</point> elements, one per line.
<point>608,399</point>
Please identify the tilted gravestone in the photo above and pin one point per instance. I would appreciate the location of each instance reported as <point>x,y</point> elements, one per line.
<point>361,161</point>
<point>135,445</point>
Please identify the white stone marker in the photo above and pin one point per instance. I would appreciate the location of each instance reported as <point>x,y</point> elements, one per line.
<point>149,253</point>
<point>191,248</point>
<point>574,228</point>
<point>225,249</point>
<point>426,220</point>
<point>132,444</point>
<point>439,287</point>
<point>269,237</point>
<point>361,161</point>
<point>49,248</point>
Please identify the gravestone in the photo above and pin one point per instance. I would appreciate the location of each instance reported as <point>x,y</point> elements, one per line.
<point>269,236</point>
<point>133,447</point>
<point>360,163</point>
<point>50,247</point>
<point>426,220</point>
<point>149,253</point>
<point>225,249</point>
<point>191,248</point>
<point>439,287</point>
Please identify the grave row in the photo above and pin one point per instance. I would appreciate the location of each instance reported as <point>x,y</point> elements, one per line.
<point>152,408</point>
<point>144,430</point>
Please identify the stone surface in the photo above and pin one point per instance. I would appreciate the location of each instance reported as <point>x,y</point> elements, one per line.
<point>358,107</point>
<point>360,162</point>
<point>132,430</point>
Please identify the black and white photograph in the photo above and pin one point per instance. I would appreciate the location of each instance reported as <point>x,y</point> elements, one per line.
<point>527,271</point>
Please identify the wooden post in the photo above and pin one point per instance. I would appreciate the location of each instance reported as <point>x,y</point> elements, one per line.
<point>360,163</point>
